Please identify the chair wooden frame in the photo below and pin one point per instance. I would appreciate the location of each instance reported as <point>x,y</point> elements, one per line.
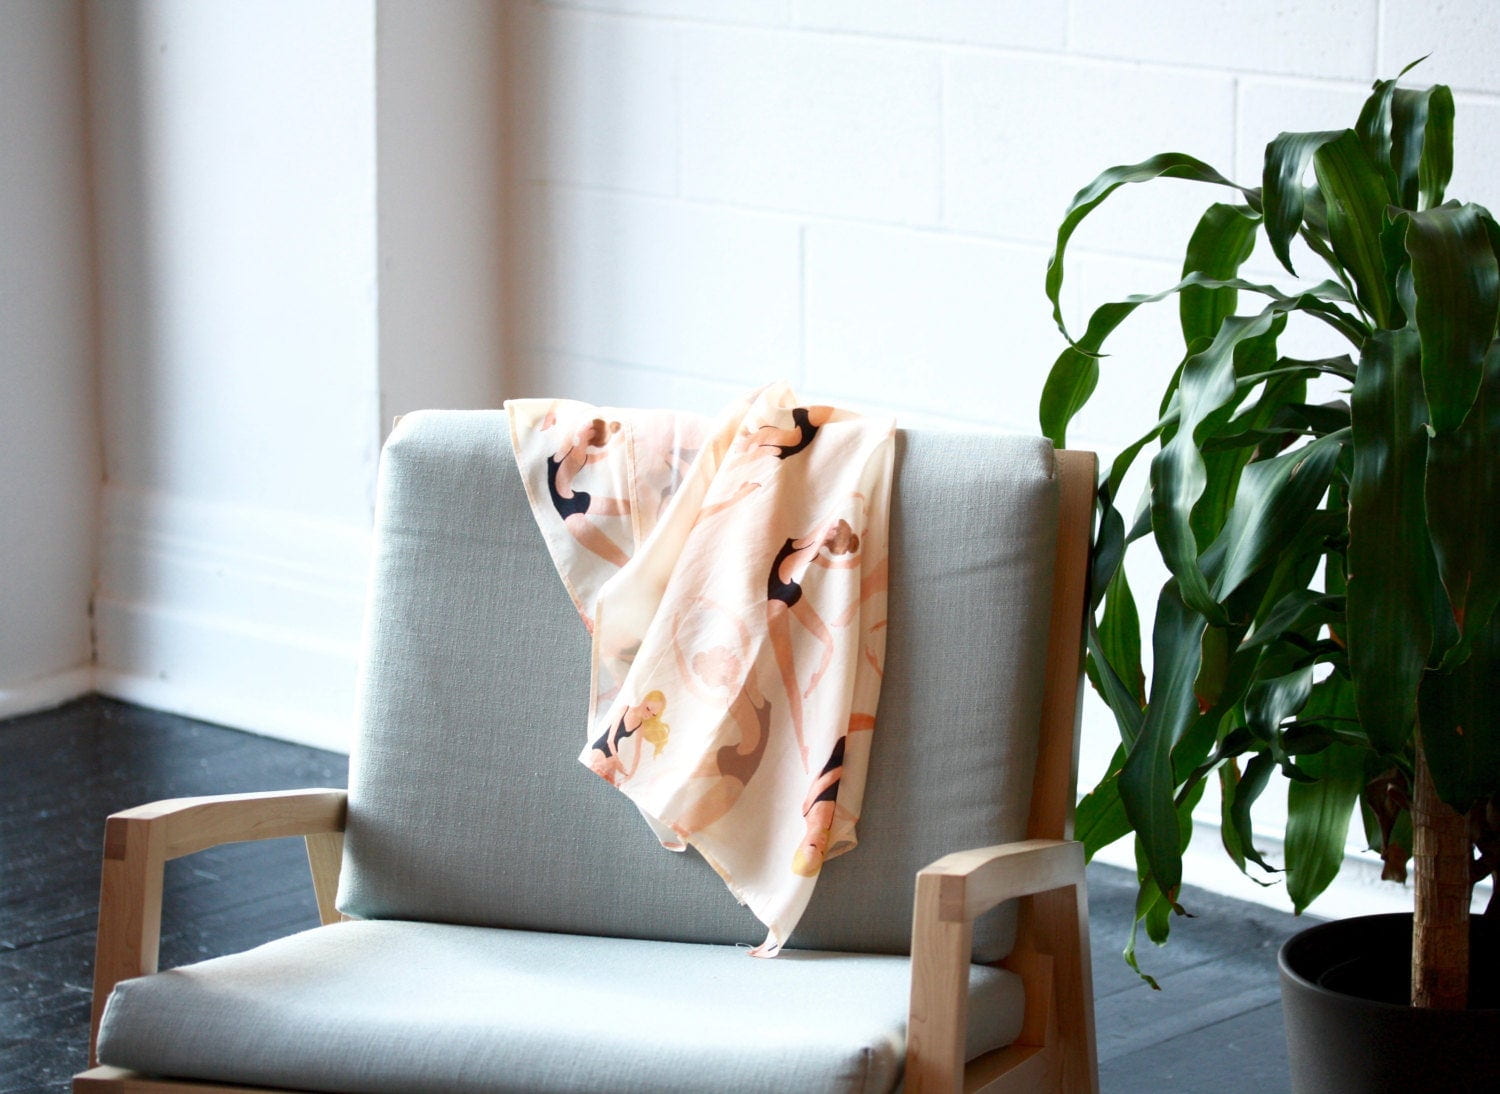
<point>1056,1048</point>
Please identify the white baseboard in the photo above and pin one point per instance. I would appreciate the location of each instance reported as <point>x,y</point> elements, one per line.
<point>245,616</point>
<point>238,708</point>
<point>46,693</point>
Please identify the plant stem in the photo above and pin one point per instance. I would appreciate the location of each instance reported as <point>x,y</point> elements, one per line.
<point>1440,921</point>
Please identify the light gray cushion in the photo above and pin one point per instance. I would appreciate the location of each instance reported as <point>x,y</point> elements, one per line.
<point>367,1007</point>
<point>466,801</point>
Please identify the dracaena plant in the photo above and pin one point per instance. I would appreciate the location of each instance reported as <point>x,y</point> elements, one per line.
<point>1334,557</point>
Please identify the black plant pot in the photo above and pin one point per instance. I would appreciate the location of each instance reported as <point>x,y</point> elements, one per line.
<point>1344,987</point>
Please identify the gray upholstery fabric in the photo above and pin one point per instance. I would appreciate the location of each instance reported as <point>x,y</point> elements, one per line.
<point>467,804</point>
<point>375,1007</point>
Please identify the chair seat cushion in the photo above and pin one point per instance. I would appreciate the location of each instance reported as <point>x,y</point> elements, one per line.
<point>376,1006</point>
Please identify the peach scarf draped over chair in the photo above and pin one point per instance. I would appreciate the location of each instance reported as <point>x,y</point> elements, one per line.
<point>732,573</point>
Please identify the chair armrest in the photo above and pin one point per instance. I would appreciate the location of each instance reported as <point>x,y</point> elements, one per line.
<point>966,884</point>
<point>138,842</point>
<point>181,826</point>
<point>951,893</point>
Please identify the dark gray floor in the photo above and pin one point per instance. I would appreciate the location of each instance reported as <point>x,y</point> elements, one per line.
<point>1215,1026</point>
<point>1216,1023</point>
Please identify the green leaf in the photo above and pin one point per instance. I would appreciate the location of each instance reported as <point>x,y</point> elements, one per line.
<point>1282,190</point>
<point>1460,715</point>
<point>1289,422</point>
<point>1305,553</point>
<point>1069,384</point>
<point>1422,145</point>
<point>1321,418</point>
<point>1152,906</point>
<point>1457,282</point>
<point>1100,817</point>
<point>1408,135</point>
<point>1255,360</point>
<point>1219,246</point>
<point>1238,794</point>
<point>1173,165</point>
<point>1271,701</point>
<point>1148,901</point>
<point>1213,669</point>
<point>1075,374</point>
<point>1320,302</point>
<point>1118,696</point>
<point>1436,168</point>
<point>1391,570</point>
<point>1357,197</point>
<point>1120,636</point>
<point>1463,498</point>
<point>1374,129</point>
<point>1315,234</point>
<point>1108,549</point>
<point>1299,610</point>
<point>1376,124</point>
<point>1318,816</point>
<point>1178,473</point>
<point>1158,920</point>
<point>1276,497</point>
<point>1146,779</point>
<point>1190,755</point>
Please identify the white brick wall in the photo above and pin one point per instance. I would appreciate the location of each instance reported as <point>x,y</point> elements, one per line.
<point>732,11</point>
<point>658,284</point>
<point>601,105</point>
<point>1459,35</point>
<point>1023,134</point>
<point>970,22</point>
<point>812,123</point>
<point>1324,38</point>
<point>860,195</point>
<point>916,321</point>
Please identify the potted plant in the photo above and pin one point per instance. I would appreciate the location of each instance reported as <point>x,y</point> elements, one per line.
<point>1331,529</point>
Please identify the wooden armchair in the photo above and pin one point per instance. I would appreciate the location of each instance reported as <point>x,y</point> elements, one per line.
<point>495,921</point>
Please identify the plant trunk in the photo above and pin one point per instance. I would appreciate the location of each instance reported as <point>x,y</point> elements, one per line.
<point>1440,920</point>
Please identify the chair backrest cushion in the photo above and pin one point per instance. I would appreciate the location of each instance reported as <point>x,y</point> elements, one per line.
<point>467,803</point>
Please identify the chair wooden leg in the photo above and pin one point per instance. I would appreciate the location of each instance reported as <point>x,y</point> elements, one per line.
<point>939,994</point>
<point>1057,923</point>
<point>129,911</point>
<point>325,855</point>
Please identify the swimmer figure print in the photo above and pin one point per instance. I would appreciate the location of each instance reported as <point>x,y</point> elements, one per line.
<point>732,574</point>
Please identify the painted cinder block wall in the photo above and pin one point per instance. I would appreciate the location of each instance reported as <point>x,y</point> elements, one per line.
<point>275,224</point>
<point>862,194</point>
<point>49,451</point>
